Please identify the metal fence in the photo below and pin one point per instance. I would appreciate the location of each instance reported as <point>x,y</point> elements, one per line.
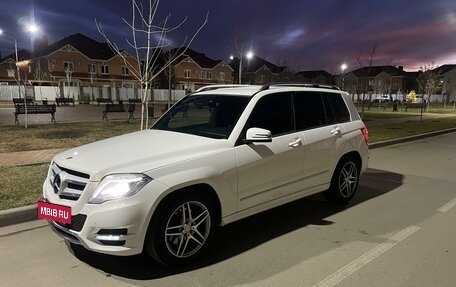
<point>38,93</point>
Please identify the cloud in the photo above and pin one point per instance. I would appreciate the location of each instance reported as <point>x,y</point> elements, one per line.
<point>290,37</point>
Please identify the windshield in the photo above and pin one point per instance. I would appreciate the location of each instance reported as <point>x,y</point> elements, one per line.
<point>211,116</point>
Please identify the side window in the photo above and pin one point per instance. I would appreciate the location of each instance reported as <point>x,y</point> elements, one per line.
<point>310,110</point>
<point>336,104</point>
<point>273,112</point>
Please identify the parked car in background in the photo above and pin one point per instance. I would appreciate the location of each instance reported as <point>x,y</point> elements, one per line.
<point>215,157</point>
<point>385,98</point>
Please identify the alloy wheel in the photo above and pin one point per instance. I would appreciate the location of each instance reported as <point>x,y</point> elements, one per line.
<point>348,179</point>
<point>187,229</point>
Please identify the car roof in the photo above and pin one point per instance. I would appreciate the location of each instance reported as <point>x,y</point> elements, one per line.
<point>238,91</point>
<point>250,90</point>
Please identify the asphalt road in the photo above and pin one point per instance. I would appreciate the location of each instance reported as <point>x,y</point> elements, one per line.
<point>398,231</point>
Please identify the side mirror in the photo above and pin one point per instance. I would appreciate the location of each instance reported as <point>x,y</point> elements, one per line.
<point>254,135</point>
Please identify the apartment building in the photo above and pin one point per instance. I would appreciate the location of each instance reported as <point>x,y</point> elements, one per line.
<point>380,80</point>
<point>258,71</point>
<point>446,82</point>
<point>317,77</point>
<point>83,68</point>
<point>194,70</point>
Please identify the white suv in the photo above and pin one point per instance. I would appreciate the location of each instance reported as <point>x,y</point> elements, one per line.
<point>215,157</point>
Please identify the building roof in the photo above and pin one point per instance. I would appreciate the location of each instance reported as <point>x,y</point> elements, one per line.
<point>314,74</point>
<point>21,56</point>
<point>375,70</point>
<point>201,59</point>
<point>254,64</point>
<point>89,47</point>
<point>444,69</point>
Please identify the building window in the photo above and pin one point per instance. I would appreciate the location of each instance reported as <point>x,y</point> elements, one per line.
<point>222,76</point>
<point>104,69</point>
<point>68,66</point>
<point>127,85</point>
<point>209,75</point>
<point>202,75</point>
<point>125,71</point>
<point>71,84</point>
<point>92,68</point>
<point>187,73</point>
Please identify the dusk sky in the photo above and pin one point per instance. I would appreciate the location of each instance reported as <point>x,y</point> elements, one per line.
<point>305,35</point>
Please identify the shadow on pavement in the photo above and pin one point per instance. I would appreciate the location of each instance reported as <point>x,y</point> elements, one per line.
<point>248,233</point>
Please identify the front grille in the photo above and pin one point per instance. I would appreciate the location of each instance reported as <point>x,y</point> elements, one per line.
<point>77,222</point>
<point>67,183</point>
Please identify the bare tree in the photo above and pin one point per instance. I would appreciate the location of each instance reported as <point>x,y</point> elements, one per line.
<point>41,72</point>
<point>366,72</point>
<point>148,41</point>
<point>428,81</point>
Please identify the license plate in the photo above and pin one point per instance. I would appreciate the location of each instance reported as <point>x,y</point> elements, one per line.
<point>54,212</point>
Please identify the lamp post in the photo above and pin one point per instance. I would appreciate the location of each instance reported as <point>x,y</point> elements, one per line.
<point>248,56</point>
<point>343,67</point>
<point>32,28</point>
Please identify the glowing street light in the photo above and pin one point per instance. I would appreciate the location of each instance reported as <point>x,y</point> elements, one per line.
<point>343,67</point>
<point>1,31</point>
<point>248,56</point>
<point>32,28</point>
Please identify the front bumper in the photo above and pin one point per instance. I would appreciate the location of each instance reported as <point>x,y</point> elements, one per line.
<point>116,227</point>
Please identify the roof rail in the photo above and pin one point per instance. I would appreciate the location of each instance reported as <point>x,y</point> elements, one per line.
<point>309,85</point>
<point>215,87</point>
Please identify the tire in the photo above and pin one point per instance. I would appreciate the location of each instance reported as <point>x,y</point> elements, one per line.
<point>344,182</point>
<point>181,228</point>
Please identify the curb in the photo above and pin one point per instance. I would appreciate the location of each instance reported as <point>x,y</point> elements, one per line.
<point>18,215</point>
<point>28,213</point>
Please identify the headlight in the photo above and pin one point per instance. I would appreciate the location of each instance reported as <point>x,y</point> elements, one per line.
<point>117,186</point>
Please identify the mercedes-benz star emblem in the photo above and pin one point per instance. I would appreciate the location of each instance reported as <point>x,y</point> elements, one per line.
<point>56,183</point>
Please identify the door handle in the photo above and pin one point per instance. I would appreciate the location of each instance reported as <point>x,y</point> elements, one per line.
<point>295,143</point>
<point>336,131</point>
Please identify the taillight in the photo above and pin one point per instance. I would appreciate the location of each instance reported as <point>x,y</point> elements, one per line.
<point>365,134</point>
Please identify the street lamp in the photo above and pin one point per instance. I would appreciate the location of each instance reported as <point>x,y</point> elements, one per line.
<point>248,56</point>
<point>343,67</point>
<point>32,28</point>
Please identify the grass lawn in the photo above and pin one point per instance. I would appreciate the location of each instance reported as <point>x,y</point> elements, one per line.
<point>22,185</point>
<point>59,135</point>
<point>398,130</point>
<point>372,115</point>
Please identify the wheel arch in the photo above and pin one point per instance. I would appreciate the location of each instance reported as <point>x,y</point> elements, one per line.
<point>352,155</point>
<point>200,188</point>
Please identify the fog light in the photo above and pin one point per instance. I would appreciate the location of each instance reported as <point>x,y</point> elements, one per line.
<point>115,237</point>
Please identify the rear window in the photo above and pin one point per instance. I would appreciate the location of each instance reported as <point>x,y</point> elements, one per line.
<point>336,108</point>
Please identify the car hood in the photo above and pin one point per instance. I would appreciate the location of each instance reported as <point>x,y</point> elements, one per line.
<point>137,152</point>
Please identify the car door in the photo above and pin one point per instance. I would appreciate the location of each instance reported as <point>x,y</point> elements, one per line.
<point>270,170</point>
<point>322,137</point>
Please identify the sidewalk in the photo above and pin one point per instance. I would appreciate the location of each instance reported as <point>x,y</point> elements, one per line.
<point>28,157</point>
